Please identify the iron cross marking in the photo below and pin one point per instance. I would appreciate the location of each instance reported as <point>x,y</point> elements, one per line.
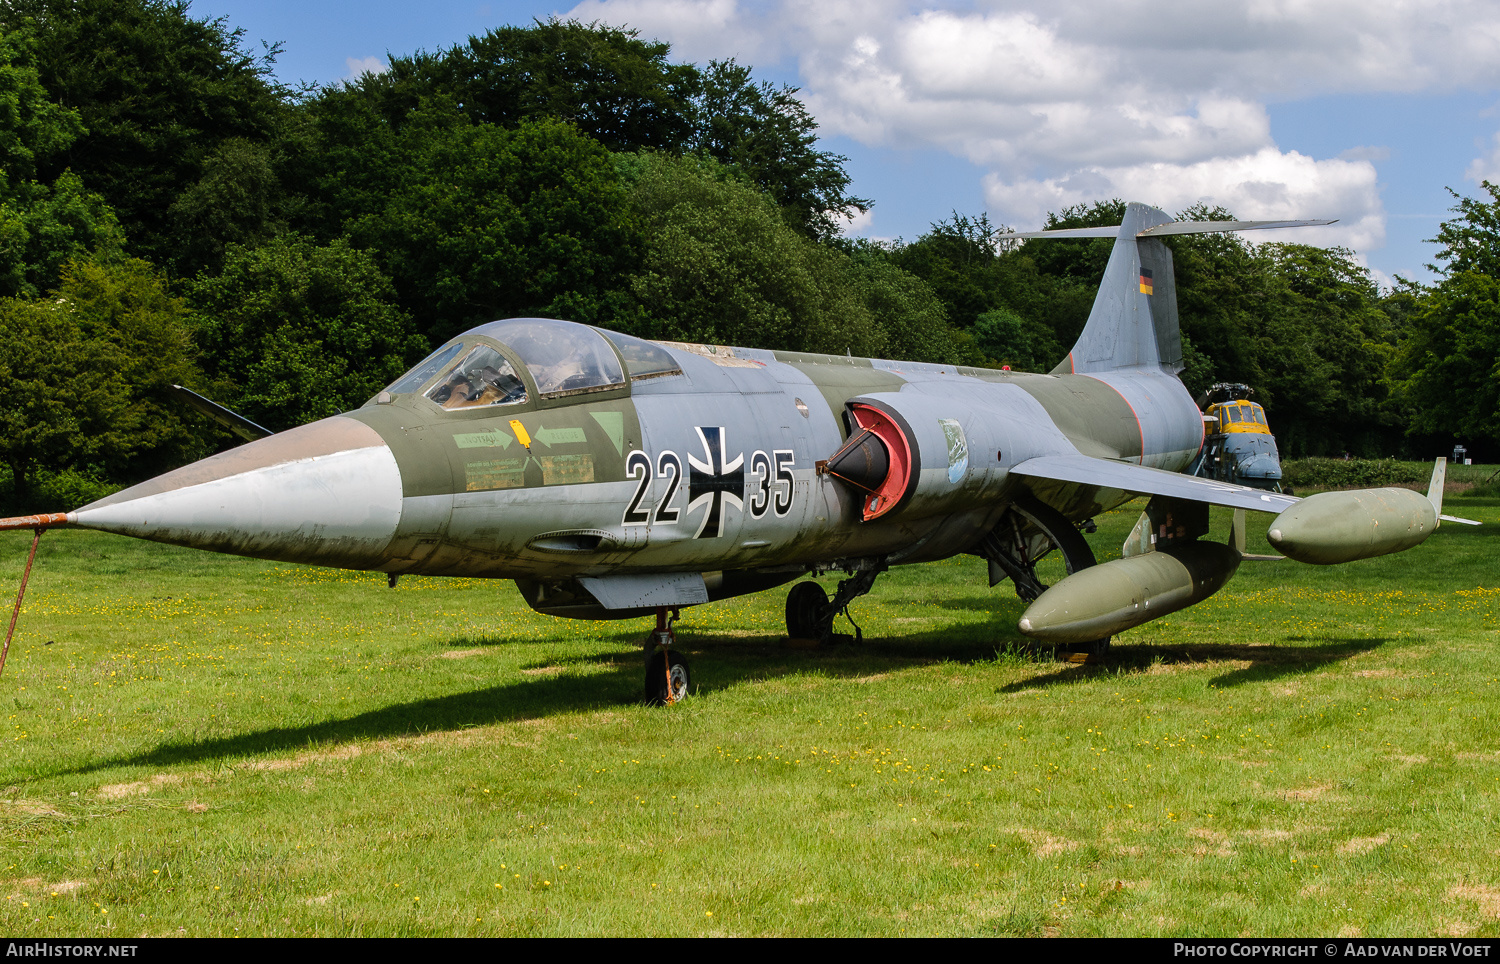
<point>715,482</point>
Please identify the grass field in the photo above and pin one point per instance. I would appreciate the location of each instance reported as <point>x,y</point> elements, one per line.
<point>202,745</point>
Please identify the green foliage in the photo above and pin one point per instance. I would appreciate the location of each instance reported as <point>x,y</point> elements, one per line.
<point>34,130</point>
<point>614,87</point>
<point>1447,368</point>
<point>52,490</point>
<point>721,265</point>
<point>973,273</point>
<point>86,374</point>
<point>157,93</point>
<point>909,315</point>
<point>1471,241</point>
<point>300,331</point>
<point>1008,339</point>
<point>42,228</point>
<point>1325,473</point>
<point>483,223</point>
<point>137,332</point>
<point>624,93</point>
<point>766,132</point>
<point>238,200</point>
<point>42,224</point>
<point>1079,260</point>
<point>1322,345</point>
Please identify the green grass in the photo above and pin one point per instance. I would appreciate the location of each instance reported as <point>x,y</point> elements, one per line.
<point>201,745</point>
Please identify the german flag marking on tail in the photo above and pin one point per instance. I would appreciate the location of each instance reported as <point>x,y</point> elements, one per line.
<point>1145,281</point>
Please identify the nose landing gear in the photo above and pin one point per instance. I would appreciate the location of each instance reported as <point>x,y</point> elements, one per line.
<point>668,679</point>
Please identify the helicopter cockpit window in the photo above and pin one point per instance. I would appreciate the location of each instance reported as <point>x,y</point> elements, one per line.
<point>425,369</point>
<point>564,358</point>
<point>1234,414</point>
<point>643,359</point>
<point>482,377</point>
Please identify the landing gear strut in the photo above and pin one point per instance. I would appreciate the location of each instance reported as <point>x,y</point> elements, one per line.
<point>668,678</point>
<point>1027,531</point>
<point>810,613</point>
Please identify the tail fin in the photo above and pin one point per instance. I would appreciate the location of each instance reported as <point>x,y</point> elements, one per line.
<point>1134,320</point>
<point>1435,493</point>
<point>1435,487</point>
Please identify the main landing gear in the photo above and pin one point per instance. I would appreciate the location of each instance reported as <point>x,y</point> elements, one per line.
<point>810,613</point>
<point>668,678</point>
<point>1027,531</point>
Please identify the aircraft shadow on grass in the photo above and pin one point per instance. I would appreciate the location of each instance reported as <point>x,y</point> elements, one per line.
<point>735,662</point>
<point>1266,662</point>
<point>615,682</point>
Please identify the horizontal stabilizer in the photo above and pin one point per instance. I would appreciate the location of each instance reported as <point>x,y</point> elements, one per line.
<point>1146,481</point>
<point>1171,227</point>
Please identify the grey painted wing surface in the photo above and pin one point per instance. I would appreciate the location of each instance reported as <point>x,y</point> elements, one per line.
<point>1147,481</point>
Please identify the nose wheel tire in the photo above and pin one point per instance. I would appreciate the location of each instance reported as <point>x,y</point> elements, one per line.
<point>668,679</point>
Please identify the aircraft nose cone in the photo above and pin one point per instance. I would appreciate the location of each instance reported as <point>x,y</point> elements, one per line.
<point>327,493</point>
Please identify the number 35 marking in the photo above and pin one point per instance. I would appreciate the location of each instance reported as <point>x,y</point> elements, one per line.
<point>769,471</point>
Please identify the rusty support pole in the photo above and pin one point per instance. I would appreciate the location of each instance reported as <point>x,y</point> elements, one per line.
<point>19,595</point>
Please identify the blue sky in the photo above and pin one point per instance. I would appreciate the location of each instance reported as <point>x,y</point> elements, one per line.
<point>1363,110</point>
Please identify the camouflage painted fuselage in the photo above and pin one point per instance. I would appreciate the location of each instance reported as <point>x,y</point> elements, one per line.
<point>712,469</point>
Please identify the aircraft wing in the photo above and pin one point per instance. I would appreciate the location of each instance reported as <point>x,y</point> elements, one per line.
<point>1145,481</point>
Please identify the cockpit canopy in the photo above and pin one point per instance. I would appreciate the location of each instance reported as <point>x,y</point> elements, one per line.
<point>564,359</point>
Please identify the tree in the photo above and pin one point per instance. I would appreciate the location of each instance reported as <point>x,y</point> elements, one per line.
<point>973,272</point>
<point>721,265</point>
<point>300,331</point>
<point>1471,241</point>
<point>626,94</point>
<point>1008,339</point>
<point>86,376</point>
<point>767,133</point>
<point>1447,368</point>
<point>1323,345</point>
<point>480,222</point>
<point>156,92</point>
<point>42,225</point>
<point>238,200</point>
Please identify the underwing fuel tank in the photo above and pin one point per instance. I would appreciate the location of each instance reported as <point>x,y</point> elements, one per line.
<point>1102,600</point>
<point>1334,527</point>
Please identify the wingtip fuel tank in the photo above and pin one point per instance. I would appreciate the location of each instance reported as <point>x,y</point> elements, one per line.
<point>1334,527</point>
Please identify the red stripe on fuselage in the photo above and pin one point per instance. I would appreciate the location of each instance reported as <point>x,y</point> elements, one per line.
<point>1133,413</point>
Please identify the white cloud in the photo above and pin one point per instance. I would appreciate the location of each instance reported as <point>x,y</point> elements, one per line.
<point>359,66</point>
<point>1486,168</point>
<point>1075,100</point>
<point>1266,185</point>
<point>698,30</point>
<point>859,223</point>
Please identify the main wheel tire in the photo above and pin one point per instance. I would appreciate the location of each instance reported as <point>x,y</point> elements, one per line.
<point>658,668</point>
<point>804,604</point>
